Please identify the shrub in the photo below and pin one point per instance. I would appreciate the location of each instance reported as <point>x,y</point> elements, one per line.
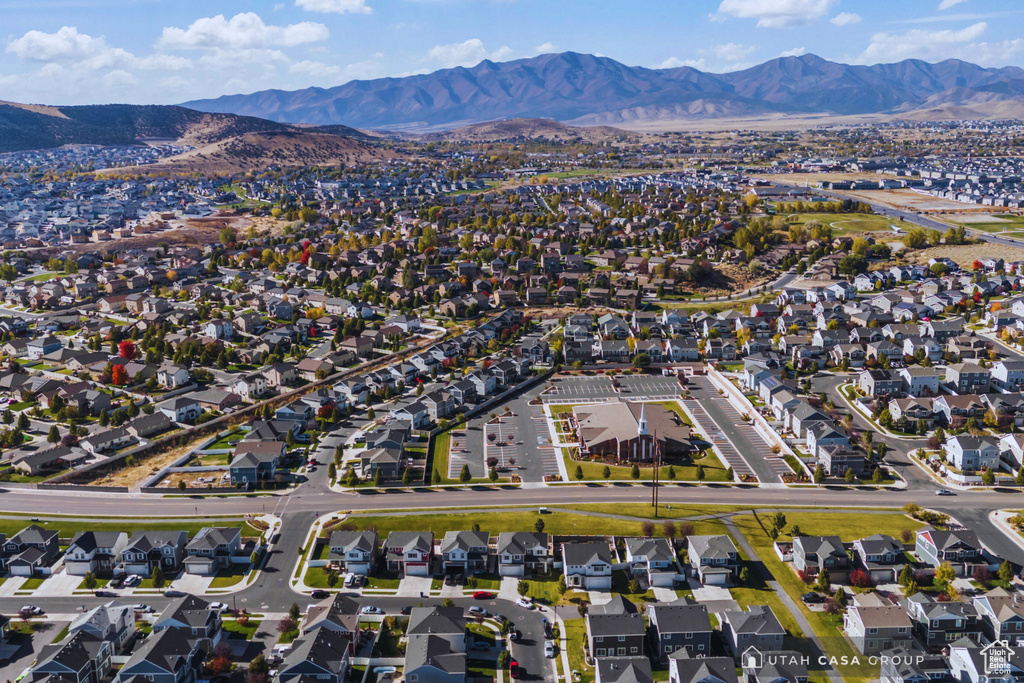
<point>861,579</point>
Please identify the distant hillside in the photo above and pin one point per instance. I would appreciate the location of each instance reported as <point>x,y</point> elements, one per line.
<point>40,127</point>
<point>260,149</point>
<point>528,129</point>
<point>224,143</point>
<point>586,89</point>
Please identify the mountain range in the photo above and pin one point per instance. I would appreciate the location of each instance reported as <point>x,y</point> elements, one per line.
<point>590,90</point>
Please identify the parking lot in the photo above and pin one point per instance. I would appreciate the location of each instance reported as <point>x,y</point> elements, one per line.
<point>500,442</point>
<point>744,449</point>
<point>599,387</point>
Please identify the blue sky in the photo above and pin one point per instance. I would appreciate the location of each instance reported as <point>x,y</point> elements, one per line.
<point>167,51</point>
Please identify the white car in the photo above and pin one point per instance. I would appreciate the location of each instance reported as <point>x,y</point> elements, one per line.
<point>549,649</point>
<point>133,580</point>
<point>30,609</point>
<point>219,606</point>
<point>146,609</point>
<point>524,603</point>
<point>370,609</point>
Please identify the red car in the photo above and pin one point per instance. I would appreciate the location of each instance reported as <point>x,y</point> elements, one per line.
<point>483,595</point>
<point>514,670</point>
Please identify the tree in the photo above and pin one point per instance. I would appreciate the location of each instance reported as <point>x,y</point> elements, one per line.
<point>700,473</point>
<point>464,475</point>
<point>849,476</point>
<point>288,624</point>
<point>523,587</point>
<point>1019,479</point>
<point>906,576</point>
<point>745,576</point>
<point>8,272</point>
<point>1005,572</point>
<point>54,435</point>
<point>607,472</point>
<point>259,667</point>
<point>988,477</point>
<point>158,577</point>
<point>562,588</point>
<point>824,583</point>
<point>538,526</point>
<point>819,474</point>
<point>647,529</point>
<point>378,479</point>
<point>407,476</point>
<point>669,530</point>
<point>635,472</point>
<point>119,376</point>
<point>578,474</point>
<point>504,659</point>
<point>492,474</point>
<point>779,520</point>
<point>840,597</point>
<point>911,589</point>
<point>182,485</point>
<point>944,574</point>
<point>89,581</point>
<point>126,349</point>
<point>642,360</point>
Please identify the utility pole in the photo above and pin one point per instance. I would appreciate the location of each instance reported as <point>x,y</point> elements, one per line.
<point>656,477</point>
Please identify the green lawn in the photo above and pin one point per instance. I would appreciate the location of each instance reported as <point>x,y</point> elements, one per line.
<point>383,581</point>
<point>245,632</point>
<point>228,441</point>
<point>32,583</point>
<point>230,577</point>
<point>848,526</point>
<point>714,471</point>
<point>576,635</point>
<point>560,523</point>
<point>543,589</point>
<point>442,447</point>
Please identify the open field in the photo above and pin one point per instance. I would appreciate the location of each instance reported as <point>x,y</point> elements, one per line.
<point>968,253</point>
<point>847,224</point>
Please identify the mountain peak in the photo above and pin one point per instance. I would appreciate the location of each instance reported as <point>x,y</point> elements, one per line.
<point>569,86</point>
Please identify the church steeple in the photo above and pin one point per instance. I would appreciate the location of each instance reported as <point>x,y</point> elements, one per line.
<point>643,421</point>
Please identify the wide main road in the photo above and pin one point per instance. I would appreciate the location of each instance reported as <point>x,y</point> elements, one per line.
<point>32,502</point>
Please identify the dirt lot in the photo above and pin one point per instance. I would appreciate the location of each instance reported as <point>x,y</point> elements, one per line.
<point>915,201</point>
<point>966,254</point>
<point>135,476</point>
<point>195,480</point>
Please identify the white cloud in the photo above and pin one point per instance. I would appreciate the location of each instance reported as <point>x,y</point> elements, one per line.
<point>242,31</point>
<point>545,48</point>
<point>938,45</point>
<point>946,4</point>
<point>675,63</point>
<point>795,52</point>
<point>734,52</point>
<point>777,13</point>
<point>335,6</point>
<point>83,51</point>
<point>845,19</point>
<point>469,53</point>
<point>318,72</point>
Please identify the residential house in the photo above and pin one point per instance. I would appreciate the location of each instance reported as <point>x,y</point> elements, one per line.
<point>587,565</point>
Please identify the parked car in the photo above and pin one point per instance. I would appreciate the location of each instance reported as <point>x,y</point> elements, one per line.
<point>174,594</point>
<point>145,609</point>
<point>549,649</point>
<point>477,611</point>
<point>105,594</point>
<point>31,609</point>
<point>812,598</point>
<point>319,594</point>
<point>116,583</point>
<point>483,595</point>
<point>524,603</point>
<point>514,635</point>
<point>370,609</point>
<point>514,669</point>
<point>407,610</point>
<point>219,606</point>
